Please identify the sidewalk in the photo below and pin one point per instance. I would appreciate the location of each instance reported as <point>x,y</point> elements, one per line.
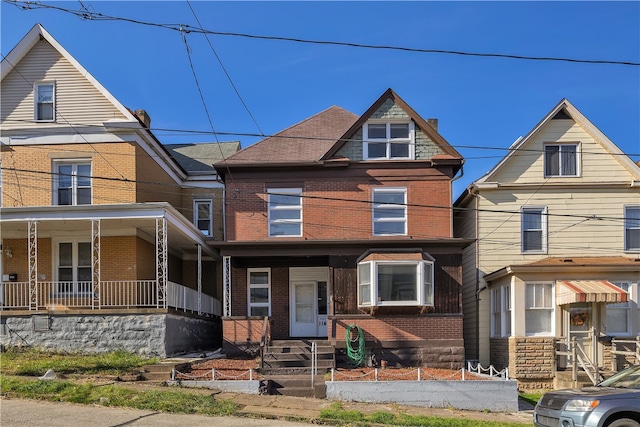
<point>301,408</point>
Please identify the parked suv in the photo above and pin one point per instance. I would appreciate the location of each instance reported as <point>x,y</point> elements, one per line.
<point>615,402</point>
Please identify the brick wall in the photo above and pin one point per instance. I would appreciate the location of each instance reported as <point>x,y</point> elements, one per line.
<point>214,194</point>
<point>241,335</point>
<point>399,328</point>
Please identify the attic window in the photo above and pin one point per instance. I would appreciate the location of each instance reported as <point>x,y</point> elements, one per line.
<point>44,109</point>
<point>388,140</point>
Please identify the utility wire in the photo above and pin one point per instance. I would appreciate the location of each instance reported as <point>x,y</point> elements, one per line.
<point>96,16</point>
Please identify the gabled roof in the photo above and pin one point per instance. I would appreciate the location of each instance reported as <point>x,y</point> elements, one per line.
<point>306,141</point>
<point>419,121</point>
<point>564,110</point>
<point>34,35</point>
<point>200,157</point>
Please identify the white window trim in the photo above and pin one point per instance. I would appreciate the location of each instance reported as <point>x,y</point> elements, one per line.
<point>196,203</point>
<point>295,191</point>
<point>501,303</point>
<point>551,308</point>
<point>383,206</point>
<point>544,219</point>
<point>560,174</point>
<point>36,103</point>
<point>411,140</point>
<point>255,286</point>
<point>630,328</point>
<point>626,227</point>
<point>74,183</point>
<point>74,265</point>
<point>420,280</point>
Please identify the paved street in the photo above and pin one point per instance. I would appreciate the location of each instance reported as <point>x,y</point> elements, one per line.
<point>30,413</point>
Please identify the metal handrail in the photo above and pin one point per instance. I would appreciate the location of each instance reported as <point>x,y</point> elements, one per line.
<point>264,339</point>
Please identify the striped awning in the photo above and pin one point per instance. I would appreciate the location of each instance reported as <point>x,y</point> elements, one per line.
<point>573,291</point>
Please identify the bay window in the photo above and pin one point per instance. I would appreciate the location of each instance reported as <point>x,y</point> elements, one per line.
<point>395,283</point>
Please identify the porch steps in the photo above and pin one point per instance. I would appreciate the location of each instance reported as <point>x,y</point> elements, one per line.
<point>564,379</point>
<point>287,366</point>
<point>161,371</point>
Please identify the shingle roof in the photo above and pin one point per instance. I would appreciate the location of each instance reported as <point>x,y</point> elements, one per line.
<point>306,141</point>
<point>199,157</point>
<point>584,261</point>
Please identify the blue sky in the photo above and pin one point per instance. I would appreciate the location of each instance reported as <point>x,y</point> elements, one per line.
<point>483,104</point>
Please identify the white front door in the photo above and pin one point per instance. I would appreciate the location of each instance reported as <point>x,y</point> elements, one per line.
<point>303,309</point>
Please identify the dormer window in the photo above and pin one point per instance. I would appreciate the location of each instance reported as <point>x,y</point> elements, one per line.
<point>44,109</point>
<point>389,141</point>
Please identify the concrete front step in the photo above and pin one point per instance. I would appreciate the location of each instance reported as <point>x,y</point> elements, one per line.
<point>161,371</point>
<point>297,385</point>
<point>564,379</point>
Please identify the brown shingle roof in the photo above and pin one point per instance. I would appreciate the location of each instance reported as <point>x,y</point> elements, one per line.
<point>584,261</point>
<point>306,141</point>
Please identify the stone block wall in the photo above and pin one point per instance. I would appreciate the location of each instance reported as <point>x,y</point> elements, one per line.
<point>532,362</point>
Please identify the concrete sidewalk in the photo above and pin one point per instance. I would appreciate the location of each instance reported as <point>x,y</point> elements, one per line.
<point>303,408</point>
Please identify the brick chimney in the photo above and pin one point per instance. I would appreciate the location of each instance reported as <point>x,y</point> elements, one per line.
<point>143,117</point>
<point>433,123</point>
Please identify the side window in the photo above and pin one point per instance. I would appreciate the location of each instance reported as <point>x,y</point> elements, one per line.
<point>560,160</point>
<point>632,228</point>
<point>259,292</point>
<point>45,106</point>
<point>285,212</point>
<point>203,216</point>
<point>534,229</point>
<point>389,211</point>
<point>618,314</point>
<point>72,183</point>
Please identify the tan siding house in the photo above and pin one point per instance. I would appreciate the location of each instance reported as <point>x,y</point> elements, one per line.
<point>557,251</point>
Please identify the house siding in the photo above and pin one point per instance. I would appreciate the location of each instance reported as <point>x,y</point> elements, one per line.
<point>78,102</point>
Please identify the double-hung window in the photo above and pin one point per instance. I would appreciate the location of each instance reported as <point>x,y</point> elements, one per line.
<point>395,283</point>
<point>618,314</point>
<point>44,109</point>
<point>538,309</point>
<point>389,141</point>
<point>203,215</point>
<point>560,160</point>
<point>74,267</point>
<point>285,212</point>
<point>501,311</point>
<point>259,292</point>
<point>534,229</point>
<point>389,211</point>
<point>72,183</point>
<point>632,228</point>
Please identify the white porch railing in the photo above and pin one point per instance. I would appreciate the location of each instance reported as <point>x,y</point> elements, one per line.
<point>113,294</point>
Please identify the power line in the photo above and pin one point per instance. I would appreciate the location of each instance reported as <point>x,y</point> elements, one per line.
<point>96,16</point>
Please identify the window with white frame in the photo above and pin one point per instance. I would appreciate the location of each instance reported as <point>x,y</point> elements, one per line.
<point>501,311</point>
<point>618,313</point>
<point>285,212</point>
<point>74,270</point>
<point>632,228</point>
<point>259,292</point>
<point>561,160</point>
<point>395,283</point>
<point>539,308</point>
<point>534,229</point>
<point>44,109</point>
<point>72,183</point>
<point>203,215</point>
<point>388,140</point>
<point>389,211</point>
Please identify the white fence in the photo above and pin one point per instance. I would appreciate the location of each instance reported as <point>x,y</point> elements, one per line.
<point>109,294</point>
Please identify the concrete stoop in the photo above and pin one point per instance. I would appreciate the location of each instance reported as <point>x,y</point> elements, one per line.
<point>297,385</point>
<point>161,371</point>
<point>564,379</point>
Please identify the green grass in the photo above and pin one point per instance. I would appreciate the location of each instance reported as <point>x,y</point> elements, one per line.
<point>35,362</point>
<point>337,414</point>
<point>112,395</point>
<point>532,398</point>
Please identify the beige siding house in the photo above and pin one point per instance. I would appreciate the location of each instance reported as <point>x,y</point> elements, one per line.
<point>105,233</point>
<point>557,253</point>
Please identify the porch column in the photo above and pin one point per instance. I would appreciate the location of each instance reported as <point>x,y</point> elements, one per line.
<point>95,262</point>
<point>199,280</point>
<point>161,262</point>
<point>226,285</point>
<point>33,265</point>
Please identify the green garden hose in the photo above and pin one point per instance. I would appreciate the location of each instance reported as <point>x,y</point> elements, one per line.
<point>356,356</point>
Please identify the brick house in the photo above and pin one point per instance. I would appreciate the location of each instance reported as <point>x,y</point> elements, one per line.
<point>105,232</point>
<point>556,253</point>
<point>344,220</point>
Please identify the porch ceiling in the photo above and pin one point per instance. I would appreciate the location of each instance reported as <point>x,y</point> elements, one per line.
<point>574,291</point>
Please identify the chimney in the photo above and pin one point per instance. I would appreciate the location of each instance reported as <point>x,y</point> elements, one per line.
<point>433,123</point>
<point>143,117</point>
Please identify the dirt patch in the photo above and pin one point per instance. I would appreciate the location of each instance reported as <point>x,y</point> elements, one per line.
<point>225,369</point>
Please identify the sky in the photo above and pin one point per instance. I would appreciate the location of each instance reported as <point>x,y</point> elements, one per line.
<point>253,86</point>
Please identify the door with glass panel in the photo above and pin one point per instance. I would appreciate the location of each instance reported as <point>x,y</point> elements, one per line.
<point>74,268</point>
<point>578,325</point>
<point>308,309</point>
